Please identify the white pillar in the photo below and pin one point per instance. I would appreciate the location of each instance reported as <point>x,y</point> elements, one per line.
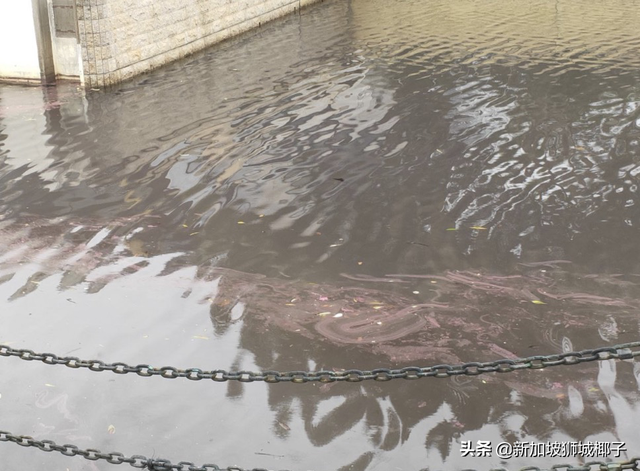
<point>25,41</point>
<point>19,58</point>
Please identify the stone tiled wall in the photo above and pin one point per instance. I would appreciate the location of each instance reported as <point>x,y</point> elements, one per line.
<point>124,38</point>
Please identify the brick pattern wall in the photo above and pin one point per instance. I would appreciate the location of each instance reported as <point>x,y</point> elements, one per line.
<point>124,38</point>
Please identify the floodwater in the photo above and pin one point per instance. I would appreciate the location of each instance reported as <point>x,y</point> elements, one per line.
<point>370,183</point>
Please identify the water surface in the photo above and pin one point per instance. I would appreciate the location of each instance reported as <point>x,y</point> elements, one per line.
<point>370,183</point>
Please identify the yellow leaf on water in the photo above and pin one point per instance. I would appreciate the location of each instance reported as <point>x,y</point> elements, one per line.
<point>240,222</point>
<point>537,301</point>
<point>326,313</point>
<point>451,229</point>
<point>479,228</point>
<point>284,426</point>
<point>200,337</point>
<point>289,304</point>
<point>378,307</point>
<point>49,385</point>
<point>111,429</point>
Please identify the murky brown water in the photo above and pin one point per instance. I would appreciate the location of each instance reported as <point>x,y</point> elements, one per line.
<point>433,171</point>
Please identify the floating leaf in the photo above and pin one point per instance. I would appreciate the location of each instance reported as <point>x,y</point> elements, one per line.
<point>326,313</point>
<point>240,222</point>
<point>111,429</point>
<point>479,228</point>
<point>200,337</point>
<point>338,315</point>
<point>49,385</point>
<point>451,229</point>
<point>537,301</point>
<point>284,426</point>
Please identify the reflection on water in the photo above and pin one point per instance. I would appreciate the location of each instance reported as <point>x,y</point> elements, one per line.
<point>366,184</point>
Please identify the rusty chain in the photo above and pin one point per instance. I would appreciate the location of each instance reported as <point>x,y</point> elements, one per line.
<point>617,352</point>
<point>142,462</point>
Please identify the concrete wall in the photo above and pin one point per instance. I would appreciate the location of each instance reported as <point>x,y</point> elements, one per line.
<point>124,38</point>
<point>19,57</point>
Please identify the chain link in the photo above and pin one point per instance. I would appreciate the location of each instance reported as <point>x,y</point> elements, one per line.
<point>142,462</point>
<point>616,352</point>
<point>633,463</point>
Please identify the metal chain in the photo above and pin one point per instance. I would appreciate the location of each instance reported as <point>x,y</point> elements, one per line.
<point>633,463</point>
<point>136,461</point>
<point>142,462</point>
<point>616,352</point>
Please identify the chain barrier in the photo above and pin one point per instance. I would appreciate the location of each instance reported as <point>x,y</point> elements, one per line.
<point>616,352</point>
<point>142,462</point>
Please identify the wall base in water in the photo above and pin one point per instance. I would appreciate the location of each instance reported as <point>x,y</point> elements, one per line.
<point>124,38</point>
